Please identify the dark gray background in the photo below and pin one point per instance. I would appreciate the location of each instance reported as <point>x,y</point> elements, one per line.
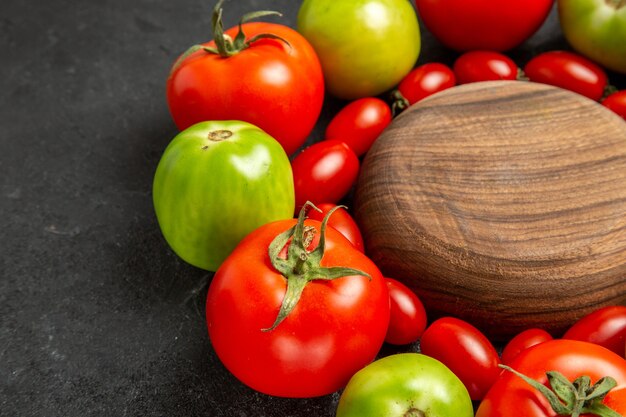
<point>97,316</point>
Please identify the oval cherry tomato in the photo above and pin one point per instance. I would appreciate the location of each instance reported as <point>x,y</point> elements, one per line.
<point>523,341</point>
<point>360,123</point>
<point>605,327</point>
<point>569,71</point>
<point>340,221</point>
<point>425,80</point>
<point>475,66</point>
<point>617,103</point>
<point>465,350</point>
<point>407,319</point>
<point>324,172</point>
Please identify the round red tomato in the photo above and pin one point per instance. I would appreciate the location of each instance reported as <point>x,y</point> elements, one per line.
<point>605,326</point>
<point>407,320</point>
<point>340,221</point>
<point>617,103</point>
<point>465,350</point>
<point>324,172</point>
<point>425,80</point>
<point>274,84</point>
<point>475,66</point>
<point>483,24</point>
<point>360,123</point>
<point>569,71</point>
<point>523,341</point>
<point>296,323</point>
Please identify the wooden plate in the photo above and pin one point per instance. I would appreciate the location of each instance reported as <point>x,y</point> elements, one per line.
<point>501,203</point>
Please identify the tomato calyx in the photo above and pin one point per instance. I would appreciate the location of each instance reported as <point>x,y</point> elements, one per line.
<point>399,103</point>
<point>302,266</point>
<point>573,398</point>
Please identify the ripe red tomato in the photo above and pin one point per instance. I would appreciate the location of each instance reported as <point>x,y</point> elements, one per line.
<point>617,103</point>
<point>324,172</point>
<point>523,341</point>
<point>340,221</point>
<point>335,327</point>
<point>569,71</point>
<point>272,84</point>
<point>465,350</point>
<point>605,327</point>
<point>425,80</point>
<point>483,24</point>
<point>407,319</point>
<point>360,123</point>
<point>475,66</point>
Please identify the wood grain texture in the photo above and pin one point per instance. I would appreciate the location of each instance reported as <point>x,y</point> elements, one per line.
<point>501,203</point>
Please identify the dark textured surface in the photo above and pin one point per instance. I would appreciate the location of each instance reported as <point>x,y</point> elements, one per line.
<point>97,316</point>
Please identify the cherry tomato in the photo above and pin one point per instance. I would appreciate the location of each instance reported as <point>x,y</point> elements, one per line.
<point>523,341</point>
<point>425,80</point>
<point>617,103</point>
<point>407,319</point>
<point>465,350</point>
<point>340,221</point>
<point>605,326</point>
<point>475,66</point>
<point>569,71</point>
<point>324,172</point>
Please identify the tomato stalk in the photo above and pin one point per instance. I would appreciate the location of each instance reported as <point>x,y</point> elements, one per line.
<point>301,266</point>
<point>399,103</point>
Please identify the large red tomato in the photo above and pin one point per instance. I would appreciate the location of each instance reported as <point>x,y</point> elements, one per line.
<point>275,84</point>
<point>483,24</point>
<point>293,323</point>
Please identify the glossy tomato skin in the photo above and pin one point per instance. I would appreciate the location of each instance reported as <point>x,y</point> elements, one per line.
<point>324,172</point>
<point>605,327</point>
<point>425,80</point>
<point>341,221</point>
<point>359,123</point>
<point>569,71</point>
<point>403,385</point>
<point>616,102</point>
<point>510,396</point>
<point>336,328</point>
<point>483,24</point>
<point>365,46</point>
<point>476,66</point>
<point>465,350</point>
<point>523,341</point>
<point>215,183</point>
<point>407,319</point>
<point>275,86</point>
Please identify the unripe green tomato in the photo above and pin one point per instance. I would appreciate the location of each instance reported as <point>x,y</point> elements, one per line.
<point>216,182</point>
<point>365,47</point>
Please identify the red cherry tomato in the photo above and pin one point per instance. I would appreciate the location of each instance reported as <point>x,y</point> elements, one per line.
<point>360,123</point>
<point>605,327</point>
<point>340,221</point>
<point>475,66</point>
<point>617,103</point>
<point>465,350</point>
<point>408,316</point>
<point>569,71</point>
<point>425,80</point>
<point>324,172</point>
<point>523,341</point>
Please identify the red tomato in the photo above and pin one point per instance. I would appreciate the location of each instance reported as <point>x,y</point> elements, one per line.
<point>483,24</point>
<point>569,71</point>
<point>605,326</point>
<point>523,341</point>
<point>511,396</point>
<point>324,172</point>
<point>465,350</point>
<point>407,319</point>
<point>425,80</point>
<point>276,86</point>
<point>360,123</point>
<point>335,328</point>
<point>340,221</point>
<point>617,103</point>
<point>475,66</point>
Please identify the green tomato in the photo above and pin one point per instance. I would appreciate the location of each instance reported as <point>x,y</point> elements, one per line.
<point>596,29</point>
<point>216,182</point>
<point>365,47</point>
<point>405,385</point>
